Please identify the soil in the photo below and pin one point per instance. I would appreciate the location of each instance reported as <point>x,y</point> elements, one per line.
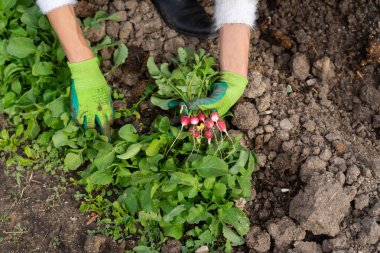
<point>311,112</point>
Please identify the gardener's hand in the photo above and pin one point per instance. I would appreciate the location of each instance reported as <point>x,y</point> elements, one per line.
<point>225,94</point>
<point>91,102</point>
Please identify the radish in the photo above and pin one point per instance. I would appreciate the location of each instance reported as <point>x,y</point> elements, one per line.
<point>192,128</point>
<point>208,135</point>
<point>196,133</point>
<point>201,117</point>
<point>222,126</point>
<point>223,129</point>
<point>185,121</point>
<point>214,116</point>
<point>209,124</point>
<point>194,120</point>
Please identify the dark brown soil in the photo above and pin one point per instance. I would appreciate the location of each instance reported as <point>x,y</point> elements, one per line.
<point>311,111</point>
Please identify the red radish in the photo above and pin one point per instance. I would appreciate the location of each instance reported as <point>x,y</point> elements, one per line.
<point>208,135</point>
<point>214,116</point>
<point>196,133</point>
<point>201,117</point>
<point>185,121</point>
<point>209,124</point>
<point>192,128</point>
<point>222,126</point>
<point>194,120</point>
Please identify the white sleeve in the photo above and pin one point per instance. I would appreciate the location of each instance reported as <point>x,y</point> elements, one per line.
<point>235,12</point>
<point>49,5</point>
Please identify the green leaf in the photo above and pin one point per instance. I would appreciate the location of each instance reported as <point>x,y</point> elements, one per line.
<point>183,178</point>
<point>175,231</point>
<point>235,217</point>
<point>33,129</point>
<point>154,147</point>
<point>9,99</point>
<point>231,236</point>
<point>210,166</point>
<point>16,86</point>
<point>58,106</point>
<point>144,249</point>
<point>220,190</point>
<point>131,152</point>
<point>30,17</point>
<point>128,133</point>
<point>103,177</point>
<point>7,4</point>
<point>152,67</point>
<point>165,70</point>
<point>209,183</point>
<point>162,124</point>
<point>27,98</point>
<point>131,203</point>
<point>60,139</point>
<point>182,55</point>
<point>196,214</point>
<point>104,159</point>
<point>150,163</point>
<point>173,213</point>
<point>240,163</point>
<point>42,69</point>
<point>120,54</point>
<point>21,47</point>
<point>73,161</point>
<point>161,102</point>
<point>251,164</point>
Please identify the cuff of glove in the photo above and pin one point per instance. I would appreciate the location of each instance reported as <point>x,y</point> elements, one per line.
<point>235,12</point>
<point>232,78</point>
<point>49,5</point>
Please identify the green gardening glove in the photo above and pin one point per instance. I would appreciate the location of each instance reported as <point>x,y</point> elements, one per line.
<point>91,102</point>
<point>225,94</point>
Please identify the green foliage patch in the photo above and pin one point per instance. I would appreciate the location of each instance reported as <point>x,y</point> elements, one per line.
<point>157,185</point>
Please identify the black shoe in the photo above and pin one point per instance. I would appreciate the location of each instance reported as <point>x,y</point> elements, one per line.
<point>186,17</point>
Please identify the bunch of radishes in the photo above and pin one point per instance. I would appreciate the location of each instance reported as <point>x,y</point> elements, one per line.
<point>200,126</point>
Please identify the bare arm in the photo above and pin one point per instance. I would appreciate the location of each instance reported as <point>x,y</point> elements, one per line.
<point>234,48</point>
<point>65,24</point>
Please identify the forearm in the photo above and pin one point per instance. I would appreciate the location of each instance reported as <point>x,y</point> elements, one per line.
<point>65,24</point>
<point>234,48</point>
<point>234,19</point>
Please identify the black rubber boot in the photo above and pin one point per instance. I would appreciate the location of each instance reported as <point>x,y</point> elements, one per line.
<point>186,17</point>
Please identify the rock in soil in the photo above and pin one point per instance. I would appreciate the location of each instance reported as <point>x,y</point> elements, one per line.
<point>258,239</point>
<point>95,244</point>
<point>312,166</point>
<point>324,69</point>
<point>321,206</point>
<point>284,232</point>
<point>300,66</point>
<point>171,246</point>
<point>96,34</point>
<point>338,243</point>
<point>370,232</point>
<point>83,9</point>
<point>257,85</point>
<point>246,117</point>
<point>371,96</point>
<point>306,247</point>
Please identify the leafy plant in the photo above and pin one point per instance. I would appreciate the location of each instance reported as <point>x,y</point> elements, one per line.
<point>182,192</point>
<point>190,78</point>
